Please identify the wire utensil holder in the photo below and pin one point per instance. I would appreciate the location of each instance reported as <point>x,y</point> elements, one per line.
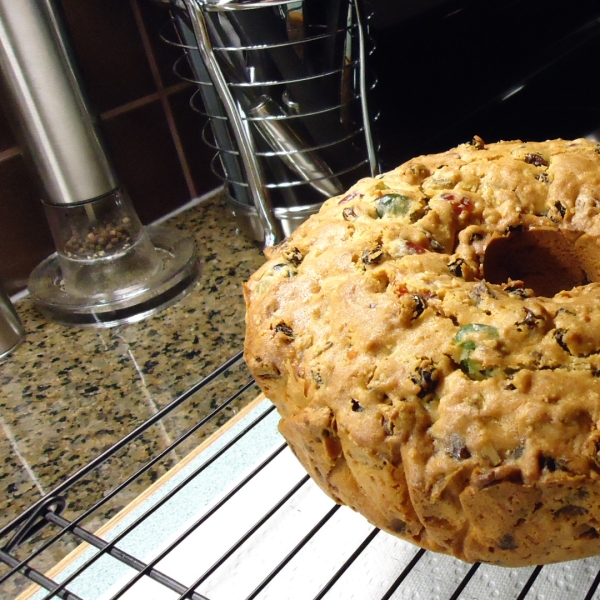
<point>284,87</point>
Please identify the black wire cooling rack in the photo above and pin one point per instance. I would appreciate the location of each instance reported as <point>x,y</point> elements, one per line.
<point>266,532</point>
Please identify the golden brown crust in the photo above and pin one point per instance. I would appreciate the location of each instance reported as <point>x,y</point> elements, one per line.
<point>418,380</point>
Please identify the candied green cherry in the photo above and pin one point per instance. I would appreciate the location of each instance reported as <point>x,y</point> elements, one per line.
<point>466,331</point>
<point>474,370</point>
<point>392,204</point>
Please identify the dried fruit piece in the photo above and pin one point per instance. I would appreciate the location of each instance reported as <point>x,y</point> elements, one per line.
<point>517,288</point>
<point>589,534</point>
<point>456,267</point>
<point>420,306</point>
<point>372,257</point>
<point>388,426</point>
<point>472,368</point>
<point>356,407</point>
<point>543,177</point>
<point>435,245</point>
<point>415,248</point>
<point>349,197</point>
<point>481,290</point>
<point>285,329</point>
<point>426,377</point>
<point>285,269</point>
<point>517,452</point>
<point>478,143</point>
<point>536,159</point>
<point>293,256</point>
<point>559,335</point>
<point>398,525</point>
<point>457,448</point>
<point>475,370</point>
<point>461,204</point>
<point>392,204</point>
<point>317,378</point>
<point>465,331</point>
<point>348,214</point>
<point>547,463</point>
<point>531,320</point>
<point>507,542</point>
<point>570,511</point>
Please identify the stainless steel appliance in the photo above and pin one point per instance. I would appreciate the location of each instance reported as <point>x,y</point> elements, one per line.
<point>285,88</point>
<point>503,70</point>
<point>108,268</point>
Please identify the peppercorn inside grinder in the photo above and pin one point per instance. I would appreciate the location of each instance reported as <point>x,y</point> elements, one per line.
<point>102,248</point>
<point>108,268</point>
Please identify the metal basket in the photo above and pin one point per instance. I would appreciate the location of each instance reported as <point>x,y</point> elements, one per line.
<point>284,88</point>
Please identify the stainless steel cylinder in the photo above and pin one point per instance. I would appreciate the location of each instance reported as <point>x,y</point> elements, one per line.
<point>286,81</point>
<point>11,329</point>
<point>58,128</point>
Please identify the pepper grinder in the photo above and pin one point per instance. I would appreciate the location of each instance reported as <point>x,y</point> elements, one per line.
<point>108,269</point>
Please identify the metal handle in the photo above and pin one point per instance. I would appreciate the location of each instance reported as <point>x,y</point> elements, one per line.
<point>224,5</point>
<point>11,329</point>
<point>290,148</point>
<point>373,164</point>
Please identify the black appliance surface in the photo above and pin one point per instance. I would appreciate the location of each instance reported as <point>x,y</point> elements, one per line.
<point>510,69</point>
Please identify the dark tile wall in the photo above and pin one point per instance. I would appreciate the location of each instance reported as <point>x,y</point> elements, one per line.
<point>150,132</point>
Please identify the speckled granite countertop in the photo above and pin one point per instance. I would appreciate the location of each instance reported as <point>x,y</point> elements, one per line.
<point>70,393</point>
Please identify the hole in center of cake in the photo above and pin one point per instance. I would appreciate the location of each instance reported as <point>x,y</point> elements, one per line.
<point>546,260</point>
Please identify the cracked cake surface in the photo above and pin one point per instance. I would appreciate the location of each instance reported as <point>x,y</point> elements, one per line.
<point>431,340</point>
